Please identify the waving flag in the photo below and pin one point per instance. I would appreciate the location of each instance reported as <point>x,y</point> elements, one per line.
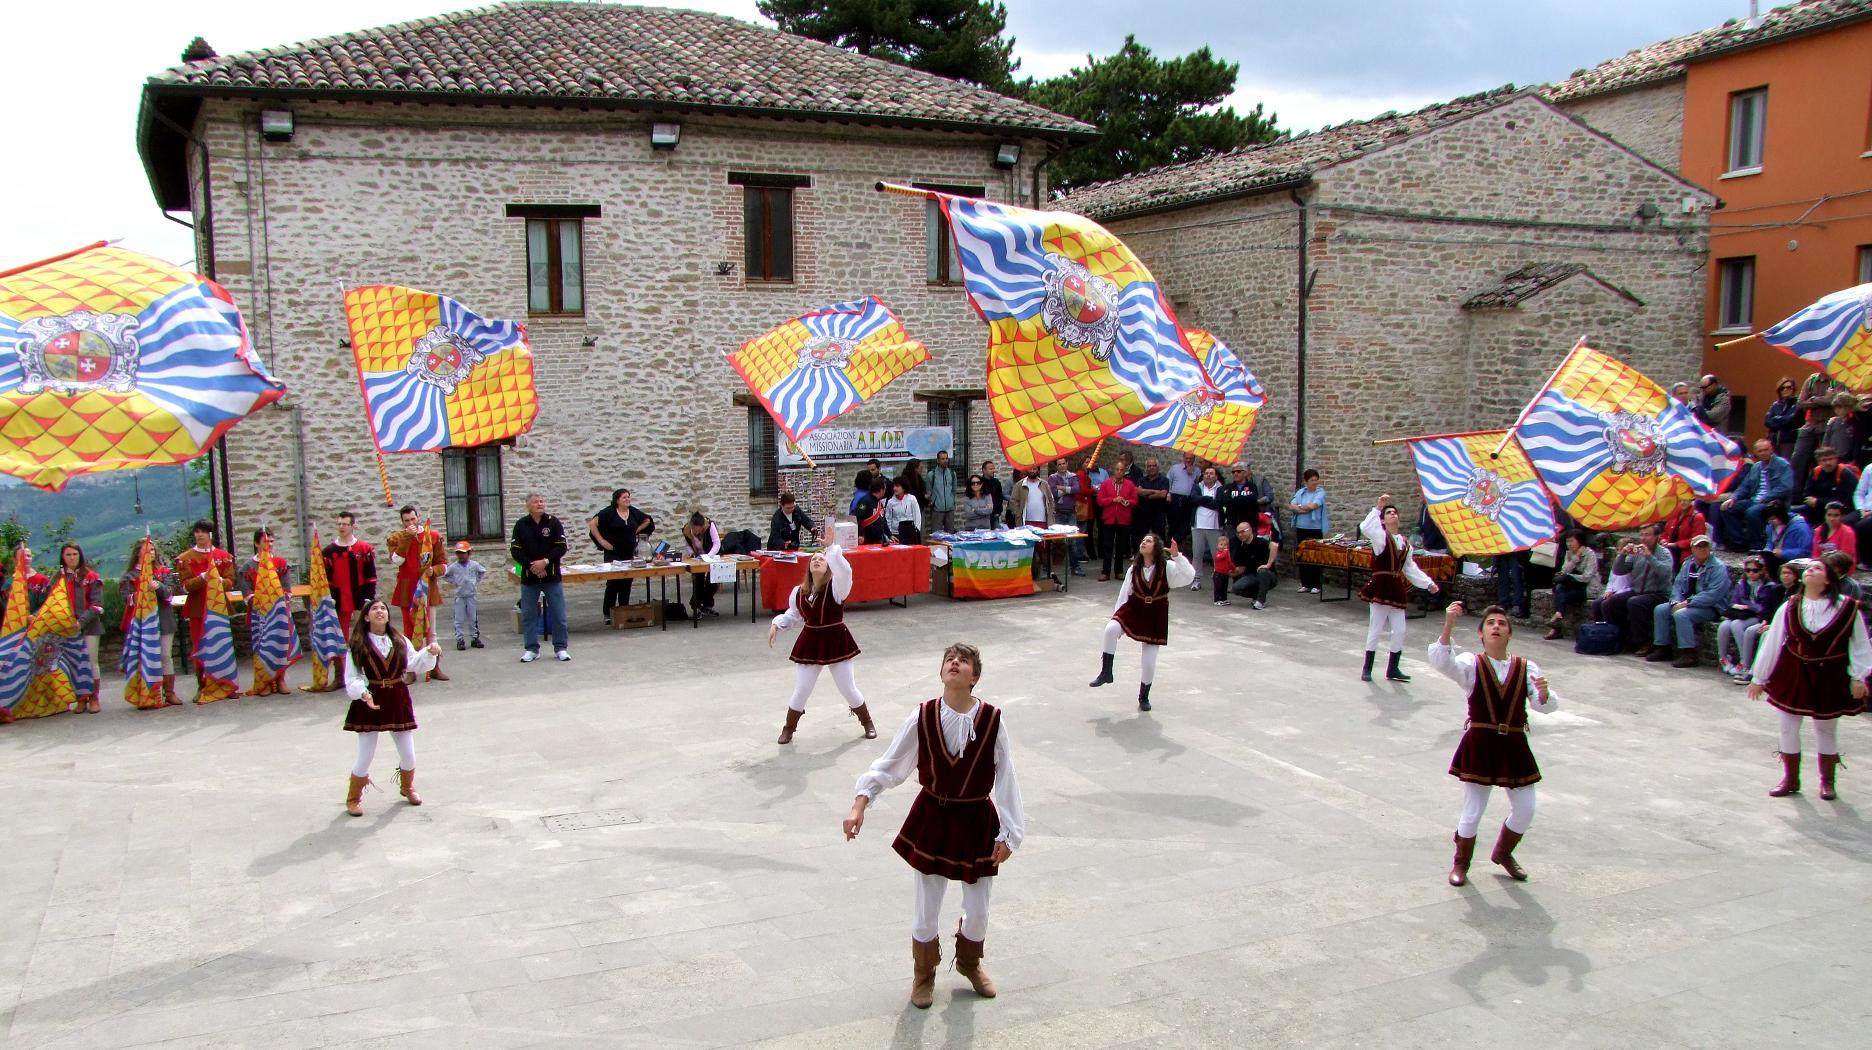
<point>15,647</point>
<point>1614,449</point>
<point>141,661</point>
<point>435,374</point>
<point>214,650</point>
<point>61,668</point>
<point>1081,342</point>
<point>328,637</point>
<point>274,636</point>
<point>823,364</point>
<point>112,360</point>
<point>1834,333</point>
<point>1484,504</point>
<point>1212,421</point>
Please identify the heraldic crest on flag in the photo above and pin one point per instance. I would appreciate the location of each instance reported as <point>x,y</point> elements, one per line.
<point>141,659</point>
<point>112,360</point>
<point>820,365</point>
<point>1484,504</point>
<point>435,374</point>
<point>1834,333</point>
<point>1214,420</point>
<point>1615,449</point>
<point>1081,341</point>
<point>60,670</point>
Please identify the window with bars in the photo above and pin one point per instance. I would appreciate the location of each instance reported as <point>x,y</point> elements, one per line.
<point>1736,293</point>
<point>942,263</point>
<point>555,266</point>
<point>955,416</point>
<point>763,453</point>
<point>471,493</point>
<point>1748,124</point>
<point>767,220</point>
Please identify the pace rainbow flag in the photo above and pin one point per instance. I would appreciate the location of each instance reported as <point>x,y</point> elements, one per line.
<point>821,365</point>
<point>141,660</point>
<point>1081,341</point>
<point>111,360</point>
<point>995,569</point>
<point>1615,449</point>
<point>214,650</point>
<point>61,667</point>
<point>435,374</point>
<point>328,635</point>
<point>1214,420</point>
<point>1483,503</point>
<point>15,647</point>
<point>1834,333</point>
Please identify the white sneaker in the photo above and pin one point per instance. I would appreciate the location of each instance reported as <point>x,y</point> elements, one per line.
<point>528,657</point>
<point>1312,590</point>
<point>1304,590</point>
<point>564,657</point>
<point>1197,586</point>
<point>1260,604</point>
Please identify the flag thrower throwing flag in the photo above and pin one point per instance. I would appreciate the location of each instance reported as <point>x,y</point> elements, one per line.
<point>111,360</point>
<point>435,374</point>
<point>1081,342</point>
<point>1214,420</point>
<point>1483,503</point>
<point>821,365</point>
<point>1834,333</point>
<point>1616,450</point>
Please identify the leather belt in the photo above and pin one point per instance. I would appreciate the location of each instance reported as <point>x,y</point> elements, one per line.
<point>1500,730</point>
<point>941,801</point>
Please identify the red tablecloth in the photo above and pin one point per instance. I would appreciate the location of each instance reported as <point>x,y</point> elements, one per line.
<point>877,573</point>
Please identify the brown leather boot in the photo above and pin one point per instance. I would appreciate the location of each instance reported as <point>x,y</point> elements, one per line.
<point>406,785</point>
<point>1554,627</point>
<point>1504,853</point>
<point>792,723</point>
<point>1828,763</point>
<point>168,692</point>
<point>1465,852</point>
<point>968,956</point>
<point>437,675</point>
<point>1790,776</point>
<point>354,796</point>
<point>863,712</point>
<point>924,955</point>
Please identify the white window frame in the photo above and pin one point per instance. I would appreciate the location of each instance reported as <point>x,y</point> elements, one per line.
<point>1735,294</point>
<point>1748,132</point>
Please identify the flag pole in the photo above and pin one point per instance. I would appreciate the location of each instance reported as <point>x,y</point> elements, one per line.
<point>1509,436</point>
<point>1751,337</point>
<point>1431,437</point>
<point>907,191</point>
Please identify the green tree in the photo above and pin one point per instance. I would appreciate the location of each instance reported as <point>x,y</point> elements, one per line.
<point>958,39</point>
<point>1150,111</point>
<point>58,533</point>
<point>12,534</point>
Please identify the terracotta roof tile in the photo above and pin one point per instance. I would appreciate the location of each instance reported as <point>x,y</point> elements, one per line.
<point>1529,281</point>
<point>557,53</point>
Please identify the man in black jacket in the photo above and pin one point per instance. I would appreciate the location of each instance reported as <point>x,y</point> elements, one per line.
<point>1241,500</point>
<point>790,526</point>
<point>1831,482</point>
<point>539,542</point>
<point>872,527</point>
<point>1254,551</point>
<point>991,487</point>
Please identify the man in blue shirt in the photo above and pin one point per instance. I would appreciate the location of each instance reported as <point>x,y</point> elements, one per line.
<point>1769,479</point>
<point>1699,595</point>
<point>1309,510</point>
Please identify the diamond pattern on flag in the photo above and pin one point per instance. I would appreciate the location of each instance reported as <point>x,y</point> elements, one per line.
<point>1834,333</point>
<point>434,373</point>
<point>820,365</point>
<point>1483,504</point>
<point>1213,421</point>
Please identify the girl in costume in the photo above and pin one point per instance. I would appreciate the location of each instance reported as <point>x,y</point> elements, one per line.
<point>1812,662</point>
<point>1393,574</point>
<point>1143,609</point>
<point>378,674</point>
<point>817,606</point>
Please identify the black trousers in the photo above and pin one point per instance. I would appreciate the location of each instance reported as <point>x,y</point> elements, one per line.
<point>616,592</point>
<point>1114,548</point>
<point>1309,574</point>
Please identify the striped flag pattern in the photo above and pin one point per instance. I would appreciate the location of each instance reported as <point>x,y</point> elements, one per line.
<point>1482,503</point>
<point>1834,333</point>
<point>820,365</point>
<point>434,373</point>
<point>61,671</point>
<point>141,661</point>
<point>15,647</point>
<point>1213,421</point>
<point>214,650</point>
<point>328,638</point>
<point>275,638</point>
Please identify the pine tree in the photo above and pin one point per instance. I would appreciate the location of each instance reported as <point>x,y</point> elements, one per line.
<point>959,39</point>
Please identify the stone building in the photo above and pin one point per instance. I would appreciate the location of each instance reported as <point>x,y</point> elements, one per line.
<point>1419,273</point>
<point>644,188</point>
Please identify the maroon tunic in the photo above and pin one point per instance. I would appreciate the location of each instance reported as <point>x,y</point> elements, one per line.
<point>1387,585</point>
<point>395,711</point>
<point>824,639</point>
<point>1494,748</point>
<point>952,824</point>
<point>1145,614</point>
<point>1811,675</point>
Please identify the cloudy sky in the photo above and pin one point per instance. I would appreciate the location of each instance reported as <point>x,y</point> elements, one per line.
<point>69,110</point>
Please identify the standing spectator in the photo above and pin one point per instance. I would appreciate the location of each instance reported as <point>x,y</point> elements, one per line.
<point>1681,391</point>
<point>1751,600</point>
<point>1646,566</point>
<point>872,528</point>
<point>1833,481</point>
<point>942,494</point>
<point>1784,418</point>
<point>465,573</point>
<point>1128,468</point>
<point>1309,510</point>
<point>992,486</point>
<point>1253,551</point>
<point>1032,500</point>
<point>1680,529</point>
<point>790,526</point>
<point>616,530</point>
<point>1511,581</point>
<point>1816,400</point>
<point>1264,496</point>
<point>1837,534</point>
<point>537,546</point>
<point>1091,476</point>
<point>903,515</point>
<point>1153,509</point>
<point>1064,483</point>
<point>1184,475</point>
<point>1206,520</point>
<point>1788,537</point>
<point>914,485</point>
<point>1712,404</point>
<point>1840,435</point>
<point>704,540</point>
<point>861,487</point>
<point>1862,502</point>
<point>1117,497</point>
<point>1698,596</point>
<point>1576,582</point>
<point>978,505</point>
<point>1241,501</point>
<point>1767,480</point>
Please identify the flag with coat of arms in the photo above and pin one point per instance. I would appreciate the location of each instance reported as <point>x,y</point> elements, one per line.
<point>1482,502</point>
<point>60,664</point>
<point>15,647</point>
<point>1214,420</point>
<point>820,365</point>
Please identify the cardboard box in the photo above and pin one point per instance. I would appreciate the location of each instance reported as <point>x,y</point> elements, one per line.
<point>942,582</point>
<point>630,617</point>
<point>1044,584</point>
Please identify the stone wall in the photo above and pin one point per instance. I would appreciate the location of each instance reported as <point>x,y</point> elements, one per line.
<point>1648,120</point>
<point>417,196</point>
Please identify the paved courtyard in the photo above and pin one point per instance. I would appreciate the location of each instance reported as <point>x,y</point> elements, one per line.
<point>1257,863</point>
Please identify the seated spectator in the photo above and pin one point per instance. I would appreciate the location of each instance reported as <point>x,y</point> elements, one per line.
<point>1252,552</point>
<point>1750,601</point>
<point>1762,482</point>
<point>1788,536</point>
<point>1682,527</point>
<point>1831,482</point>
<point>1646,565</point>
<point>1699,595</point>
<point>1836,534</point>
<point>1789,583</point>
<point>1576,581</point>
<point>791,526</point>
<point>702,537</point>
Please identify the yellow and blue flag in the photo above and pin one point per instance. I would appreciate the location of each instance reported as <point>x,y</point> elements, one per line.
<point>1483,503</point>
<point>141,660</point>
<point>820,365</point>
<point>111,360</point>
<point>60,670</point>
<point>328,634</point>
<point>1834,333</point>
<point>275,638</point>
<point>16,651</point>
<point>1214,420</point>
<point>435,374</point>
<point>1616,450</point>
<point>214,650</point>
<point>1081,343</point>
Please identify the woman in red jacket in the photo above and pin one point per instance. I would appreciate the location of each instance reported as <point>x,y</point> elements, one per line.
<point>1116,498</point>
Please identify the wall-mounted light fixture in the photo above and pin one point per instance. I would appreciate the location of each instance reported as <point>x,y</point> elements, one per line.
<point>344,344</point>
<point>665,136</point>
<point>723,269</point>
<point>1007,155</point>
<point>589,342</point>
<point>276,125</point>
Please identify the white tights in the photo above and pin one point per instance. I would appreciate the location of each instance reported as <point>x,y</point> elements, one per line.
<point>929,898</point>
<point>805,676</point>
<point>367,750</point>
<point>1381,617</point>
<point>1475,799</point>
<point>1826,734</point>
<point>1114,631</point>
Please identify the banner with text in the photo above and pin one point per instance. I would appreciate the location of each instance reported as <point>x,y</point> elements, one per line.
<point>996,569</point>
<point>829,445</point>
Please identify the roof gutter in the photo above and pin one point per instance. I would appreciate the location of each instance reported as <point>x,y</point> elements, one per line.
<point>1290,183</point>
<point>1749,45</point>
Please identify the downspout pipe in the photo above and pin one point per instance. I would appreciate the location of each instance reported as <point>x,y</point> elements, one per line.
<point>1301,288</point>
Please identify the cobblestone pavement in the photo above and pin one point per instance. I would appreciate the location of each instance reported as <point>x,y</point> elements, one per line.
<point>1259,862</point>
